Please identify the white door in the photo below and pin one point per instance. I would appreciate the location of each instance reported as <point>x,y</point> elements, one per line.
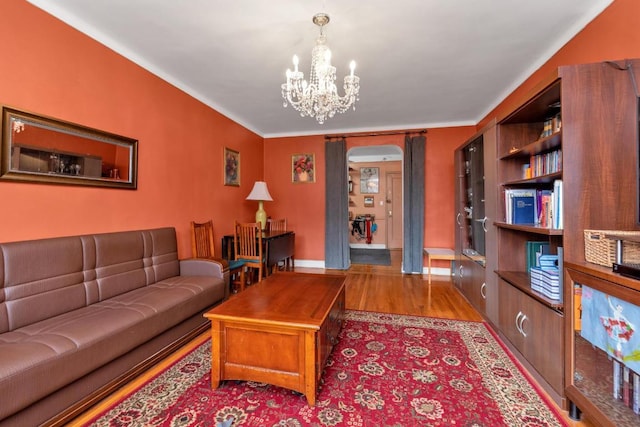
<point>394,210</point>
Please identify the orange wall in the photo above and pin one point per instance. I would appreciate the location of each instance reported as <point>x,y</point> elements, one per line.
<point>50,68</point>
<point>303,204</point>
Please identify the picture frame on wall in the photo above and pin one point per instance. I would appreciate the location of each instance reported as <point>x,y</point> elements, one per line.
<point>231,167</point>
<point>369,180</point>
<point>368,201</point>
<point>303,168</point>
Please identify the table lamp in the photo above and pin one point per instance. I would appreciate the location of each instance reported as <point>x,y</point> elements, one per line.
<point>260,192</point>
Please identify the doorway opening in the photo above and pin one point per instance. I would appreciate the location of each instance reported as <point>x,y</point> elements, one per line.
<point>375,204</point>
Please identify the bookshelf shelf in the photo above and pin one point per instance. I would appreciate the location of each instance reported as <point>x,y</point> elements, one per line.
<point>542,179</point>
<point>522,281</point>
<point>544,231</point>
<point>549,143</point>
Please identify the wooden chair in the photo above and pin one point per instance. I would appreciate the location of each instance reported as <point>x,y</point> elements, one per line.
<point>277,224</point>
<point>248,248</point>
<point>280,225</point>
<point>202,247</point>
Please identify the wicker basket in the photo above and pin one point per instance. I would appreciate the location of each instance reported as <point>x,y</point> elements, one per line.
<point>602,251</point>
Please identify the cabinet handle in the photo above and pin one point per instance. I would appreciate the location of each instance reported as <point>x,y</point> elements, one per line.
<point>484,224</point>
<point>461,271</point>
<point>524,317</point>
<point>518,321</point>
<point>458,218</point>
<point>482,290</point>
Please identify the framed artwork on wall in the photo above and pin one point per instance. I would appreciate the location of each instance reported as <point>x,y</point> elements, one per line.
<point>369,180</point>
<point>303,168</point>
<point>231,167</point>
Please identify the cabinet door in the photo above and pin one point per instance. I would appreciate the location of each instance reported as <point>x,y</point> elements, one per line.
<point>472,283</point>
<point>459,212</point>
<point>535,330</point>
<point>510,313</point>
<point>543,343</point>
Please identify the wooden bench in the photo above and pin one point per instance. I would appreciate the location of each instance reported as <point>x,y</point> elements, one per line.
<point>438,253</point>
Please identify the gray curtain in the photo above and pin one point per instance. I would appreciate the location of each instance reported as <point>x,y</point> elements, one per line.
<point>336,235</point>
<point>413,203</point>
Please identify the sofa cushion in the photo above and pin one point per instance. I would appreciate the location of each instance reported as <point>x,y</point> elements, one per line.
<point>75,343</point>
<point>40,279</point>
<point>119,266</point>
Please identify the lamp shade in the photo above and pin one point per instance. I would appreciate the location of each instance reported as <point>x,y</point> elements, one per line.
<point>260,192</point>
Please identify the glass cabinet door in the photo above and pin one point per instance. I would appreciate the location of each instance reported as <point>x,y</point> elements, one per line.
<point>473,201</point>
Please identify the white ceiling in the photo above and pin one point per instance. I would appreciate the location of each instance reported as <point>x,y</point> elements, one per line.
<point>422,63</point>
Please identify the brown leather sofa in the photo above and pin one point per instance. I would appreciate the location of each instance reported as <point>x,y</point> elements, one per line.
<point>80,314</point>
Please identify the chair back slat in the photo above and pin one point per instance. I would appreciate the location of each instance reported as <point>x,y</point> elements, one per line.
<point>202,239</point>
<point>248,241</point>
<point>278,224</point>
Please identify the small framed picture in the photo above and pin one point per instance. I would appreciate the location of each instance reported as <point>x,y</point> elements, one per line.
<point>368,201</point>
<point>303,168</point>
<point>231,167</point>
<point>369,180</point>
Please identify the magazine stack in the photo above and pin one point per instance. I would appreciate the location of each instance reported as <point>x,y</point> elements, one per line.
<point>545,279</point>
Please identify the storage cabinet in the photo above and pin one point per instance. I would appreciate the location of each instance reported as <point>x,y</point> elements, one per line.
<point>475,212</point>
<point>529,161</point>
<point>585,116</point>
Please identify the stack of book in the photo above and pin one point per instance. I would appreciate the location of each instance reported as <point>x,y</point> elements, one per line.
<point>545,279</point>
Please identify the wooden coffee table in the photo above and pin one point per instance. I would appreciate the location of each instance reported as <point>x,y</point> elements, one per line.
<point>279,331</point>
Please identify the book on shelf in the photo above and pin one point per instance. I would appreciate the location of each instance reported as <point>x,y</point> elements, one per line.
<point>543,164</point>
<point>557,205</point>
<point>534,251</point>
<point>535,206</point>
<point>617,379</point>
<point>546,281</point>
<point>635,405</point>
<point>626,385</point>
<point>520,205</point>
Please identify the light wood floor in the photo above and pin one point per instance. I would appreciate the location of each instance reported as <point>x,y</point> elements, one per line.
<point>382,289</point>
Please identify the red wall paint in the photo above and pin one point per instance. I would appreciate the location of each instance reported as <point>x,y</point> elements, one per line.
<point>52,69</point>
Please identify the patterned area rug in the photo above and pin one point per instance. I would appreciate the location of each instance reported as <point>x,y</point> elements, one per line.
<point>386,370</point>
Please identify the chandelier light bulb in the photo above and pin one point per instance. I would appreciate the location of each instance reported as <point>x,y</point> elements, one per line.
<point>318,96</point>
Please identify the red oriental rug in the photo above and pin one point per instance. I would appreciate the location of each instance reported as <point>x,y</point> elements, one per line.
<point>386,370</point>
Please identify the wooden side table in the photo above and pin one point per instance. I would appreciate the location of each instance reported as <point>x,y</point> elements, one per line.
<point>438,253</point>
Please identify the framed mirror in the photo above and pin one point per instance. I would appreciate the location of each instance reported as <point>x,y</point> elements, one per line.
<point>42,149</point>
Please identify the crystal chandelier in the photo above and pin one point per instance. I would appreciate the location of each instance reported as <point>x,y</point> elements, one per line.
<point>319,97</point>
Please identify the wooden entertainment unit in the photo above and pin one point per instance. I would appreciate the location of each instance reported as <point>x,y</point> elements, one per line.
<point>593,109</point>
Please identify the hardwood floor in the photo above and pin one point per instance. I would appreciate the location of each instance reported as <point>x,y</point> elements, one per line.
<point>382,289</point>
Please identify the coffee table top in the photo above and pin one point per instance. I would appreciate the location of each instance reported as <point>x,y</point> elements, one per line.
<point>302,300</point>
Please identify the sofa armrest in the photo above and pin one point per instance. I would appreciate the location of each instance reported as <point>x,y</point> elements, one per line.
<point>215,267</point>
<point>203,267</point>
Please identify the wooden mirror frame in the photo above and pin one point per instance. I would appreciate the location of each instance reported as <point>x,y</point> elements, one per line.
<point>54,151</point>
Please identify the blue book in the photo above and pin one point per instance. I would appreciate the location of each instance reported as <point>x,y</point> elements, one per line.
<point>524,209</point>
